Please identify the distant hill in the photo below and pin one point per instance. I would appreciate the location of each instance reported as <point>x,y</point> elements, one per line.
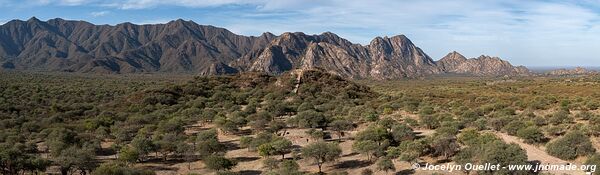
<point>574,71</point>
<point>483,65</point>
<point>186,47</point>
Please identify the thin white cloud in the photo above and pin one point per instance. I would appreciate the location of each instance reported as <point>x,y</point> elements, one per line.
<point>525,32</point>
<point>100,13</point>
<point>142,4</point>
<point>4,3</point>
<point>58,2</point>
<point>154,21</point>
<point>74,2</point>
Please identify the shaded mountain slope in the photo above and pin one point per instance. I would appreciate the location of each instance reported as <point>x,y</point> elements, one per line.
<point>186,47</point>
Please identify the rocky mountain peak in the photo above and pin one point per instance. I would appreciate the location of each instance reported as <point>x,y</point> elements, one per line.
<point>33,20</point>
<point>483,65</point>
<point>184,46</point>
<point>454,57</point>
<point>451,61</point>
<point>268,35</point>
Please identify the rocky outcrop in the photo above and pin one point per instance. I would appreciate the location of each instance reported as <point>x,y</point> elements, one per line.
<point>383,58</point>
<point>575,71</point>
<point>185,47</point>
<point>483,65</point>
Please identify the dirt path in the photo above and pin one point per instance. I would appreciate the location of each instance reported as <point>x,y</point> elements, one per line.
<point>535,153</point>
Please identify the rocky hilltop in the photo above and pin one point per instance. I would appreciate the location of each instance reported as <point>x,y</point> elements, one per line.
<point>483,65</point>
<point>186,47</point>
<point>575,71</point>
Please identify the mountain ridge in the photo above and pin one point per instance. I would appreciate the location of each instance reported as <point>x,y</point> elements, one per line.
<point>187,47</point>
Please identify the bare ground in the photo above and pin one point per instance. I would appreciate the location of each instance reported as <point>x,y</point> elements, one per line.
<point>535,153</point>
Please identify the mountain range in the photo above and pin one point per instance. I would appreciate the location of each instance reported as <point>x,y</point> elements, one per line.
<point>181,46</point>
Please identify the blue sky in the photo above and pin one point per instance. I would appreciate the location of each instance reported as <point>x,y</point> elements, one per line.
<point>525,32</point>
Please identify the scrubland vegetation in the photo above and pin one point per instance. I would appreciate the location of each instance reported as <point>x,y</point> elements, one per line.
<point>145,124</point>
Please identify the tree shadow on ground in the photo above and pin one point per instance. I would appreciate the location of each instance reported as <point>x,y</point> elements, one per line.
<point>351,154</point>
<point>443,161</point>
<point>250,172</point>
<point>171,161</point>
<point>230,145</point>
<point>353,164</point>
<point>159,168</point>
<point>245,159</point>
<point>405,172</point>
<point>105,152</point>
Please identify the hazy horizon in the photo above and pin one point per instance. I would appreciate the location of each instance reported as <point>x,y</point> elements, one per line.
<point>530,33</point>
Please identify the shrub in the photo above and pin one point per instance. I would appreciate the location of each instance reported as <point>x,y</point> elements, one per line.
<point>514,126</point>
<point>560,117</point>
<point>289,167</point>
<point>311,119</point>
<point>593,160</point>
<point>584,115</point>
<point>402,132</point>
<point>366,171</point>
<point>219,163</point>
<point>492,151</point>
<point>429,121</point>
<point>385,164</point>
<point>531,134</point>
<point>116,169</point>
<point>570,146</point>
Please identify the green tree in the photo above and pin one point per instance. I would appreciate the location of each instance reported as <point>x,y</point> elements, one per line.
<point>366,147</point>
<point>444,145</point>
<point>14,159</point>
<point>311,119</point>
<point>167,143</point>
<point>315,134</point>
<point>339,126</point>
<point>402,132</point>
<point>560,117</point>
<point>117,169</point>
<point>270,163</point>
<point>143,145</point>
<point>218,163</point>
<point>129,155</point>
<point>385,164</point>
<point>468,137</point>
<point>514,126</point>
<point>277,125</point>
<point>289,167</point>
<point>504,154</point>
<point>266,150</point>
<point>374,133</point>
<point>387,122</point>
<point>486,148</point>
<point>322,152</point>
<point>281,146</point>
<point>36,165</point>
<point>408,151</point>
<point>570,146</point>
<point>207,143</point>
<point>75,158</point>
<point>531,135</point>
